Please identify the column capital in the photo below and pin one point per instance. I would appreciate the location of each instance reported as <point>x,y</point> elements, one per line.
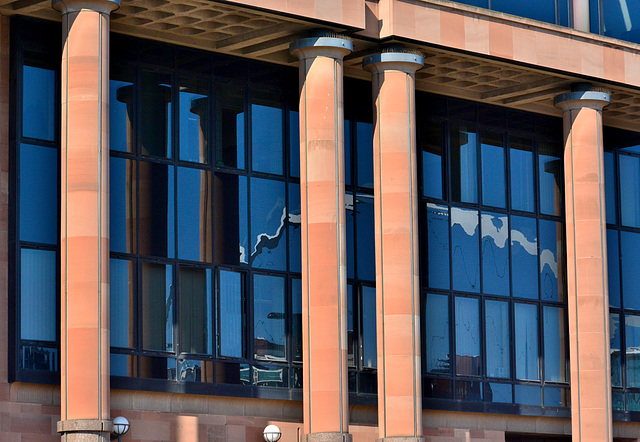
<point>583,95</point>
<point>322,43</point>
<point>69,6</point>
<point>394,58</point>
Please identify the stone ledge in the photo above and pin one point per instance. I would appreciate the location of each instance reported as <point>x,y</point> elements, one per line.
<point>85,425</point>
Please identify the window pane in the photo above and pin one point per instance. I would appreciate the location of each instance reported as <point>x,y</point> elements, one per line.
<point>438,246</point>
<point>543,10</point>
<point>527,395</point>
<point>615,346</point>
<point>38,194</point>
<point>498,338</point>
<point>350,211</point>
<point>493,178</point>
<point>38,103</point>
<point>38,295</point>
<point>552,279</point>
<point>230,121</point>
<point>620,20</point>
<point>464,167</point>
<point>499,393</point>
<point>194,214</point>
<point>521,153</point>
<point>294,143</point>
<point>465,237</point>
<point>365,239</point>
<point>551,178</point>
<point>632,335</point>
<point>156,209</point>
<point>436,323</point>
<point>526,325</point>
<point>296,320</point>
<point>495,254</point>
<point>610,187</point>
<point>122,299</point>
<point>268,224</point>
<point>36,357</point>
<point>364,161</point>
<point>555,344</point>
<point>194,121</point>
<point>369,346</point>
<point>230,218</point>
<point>613,263</point>
<point>156,115</point>
<point>352,336</point>
<point>123,365</point>
<point>120,115</point>
<point>431,140</point>
<point>153,367</point>
<point>231,314</point>
<point>524,259</point>
<point>122,205</point>
<point>348,153</point>
<point>557,397</point>
<point>629,190</point>
<point>630,257</point>
<point>294,227</point>
<point>158,297</point>
<point>269,318</point>
<point>195,319</point>
<point>266,133</point>
<point>468,361</point>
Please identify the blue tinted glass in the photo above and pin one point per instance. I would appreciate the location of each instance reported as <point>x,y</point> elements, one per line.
<point>122,365</point>
<point>610,187</point>
<point>194,121</point>
<point>364,149</point>
<point>527,395</point>
<point>122,205</point>
<point>194,214</point>
<point>349,205</point>
<point>480,3</point>
<point>621,19</point>
<point>438,246</point>
<point>630,190</point>
<point>365,240</point>
<point>551,275</point>
<point>524,257</point>
<point>436,323</point>
<point>563,13</point>
<point>158,300</point>
<point>268,224</point>
<point>498,338</point>
<point>38,194</point>
<point>266,134</point>
<point>294,143</point>
<point>122,298</point>
<point>465,264</point>
<point>194,314</point>
<point>632,339</point>
<point>526,337</point>
<point>156,125</point>
<point>468,360</point>
<point>499,393</point>
<point>469,390</point>
<point>120,106</point>
<point>556,397</point>
<point>230,218</point>
<point>231,317</point>
<point>352,334</point>
<point>613,262</point>
<point>551,178</point>
<point>543,10</point>
<point>615,346</point>
<point>495,254</point>
<point>617,398</point>
<point>348,152</point>
<point>294,227</point>
<point>630,257</point>
<point>38,295</point>
<point>269,326</point>
<point>521,164</point>
<point>464,167</point>
<point>38,103</point>
<point>493,179</point>
<point>633,401</point>
<point>594,16</point>
<point>555,344</point>
<point>369,348</point>
<point>156,209</point>
<point>230,122</point>
<point>296,320</point>
<point>431,137</point>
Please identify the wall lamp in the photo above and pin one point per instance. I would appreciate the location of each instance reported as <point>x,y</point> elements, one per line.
<point>271,433</point>
<point>120,426</point>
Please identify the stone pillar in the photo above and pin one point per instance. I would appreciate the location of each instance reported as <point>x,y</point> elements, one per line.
<point>84,239</point>
<point>324,259</point>
<point>588,296</point>
<point>581,16</point>
<point>396,237</point>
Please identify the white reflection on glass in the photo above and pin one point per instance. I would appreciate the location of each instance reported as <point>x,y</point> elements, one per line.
<point>495,254</point>
<point>468,361</point>
<point>616,355</point>
<point>632,335</point>
<point>465,249</point>
<point>269,318</point>
<point>524,257</point>
<point>555,350</point>
<point>437,333</point>
<point>438,245</point>
<point>526,328</point>
<point>268,224</point>
<point>497,330</point>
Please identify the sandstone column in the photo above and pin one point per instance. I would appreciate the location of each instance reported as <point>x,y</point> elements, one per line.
<point>396,237</point>
<point>588,296</point>
<point>324,280</point>
<point>84,246</point>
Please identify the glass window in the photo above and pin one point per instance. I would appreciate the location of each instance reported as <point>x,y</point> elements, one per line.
<point>431,137</point>
<point>365,239</point>
<point>629,191</point>
<point>615,348</point>
<point>230,126</point>
<point>465,262</point>
<point>629,258</point>
<point>196,311</point>
<point>524,257</point>
<point>269,318</point>
<point>268,224</point>
<point>436,323</point>
<point>38,194</point>
<point>156,209</point>
<point>194,214</point>
<point>498,339</point>
<point>464,168</point>
<point>231,314</point>
<point>526,339</point>
<point>613,262</point>
<point>193,114</point>
<point>352,333</point>
<point>493,174</point>
<point>543,10</point>
<point>158,297</point>
<point>551,269</point>
<point>364,146</point>
<point>551,180</point>
<point>555,342</point>
<point>122,205</point>
<point>230,219</point>
<point>348,153</point>
<point>527,395</point>
<point>39,103</point>
<point>610,187</point>
<point>632,335</point>
<point>38,295</point>
<point>156,114</point>
<point>468,360</point>
<point>521,167</point>
<point>296,310</point>
<point>498,393</point>
<point>350,222</point>
<point>369,346</point>
<point>266,133</point>
<point>294,142</point>
<point>122,299</point>
<point>121,111</point>
<point>621,20</point>
<point>294,223</point>
<point>437,233</point>
<point>495,253</point>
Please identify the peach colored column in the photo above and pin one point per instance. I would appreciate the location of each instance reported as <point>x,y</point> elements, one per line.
<point>588,296</point>
<point>581,20</point>
<point>84,246</point>
<point>324,281</point>
<point>396,236</point>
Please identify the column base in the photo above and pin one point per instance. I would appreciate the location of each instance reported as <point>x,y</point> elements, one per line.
<point>401,439</point>
<point>85,430</point>
<point>326,437</point>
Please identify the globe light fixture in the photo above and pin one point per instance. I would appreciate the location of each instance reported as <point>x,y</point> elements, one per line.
<point>271,433</point>
<point>120,427</point>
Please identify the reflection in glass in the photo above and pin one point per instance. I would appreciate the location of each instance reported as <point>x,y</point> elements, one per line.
<point>231,314</point>
<point>630,257</point>
<point>438,246</point>
<point>524,257</point>
<point>158,298</point>
<point>365,241</point>
<point>269,318</point>
<point>364,163</point>
<point>38,103</point>
<point>431,139</point>
<point>156,205</point>
<point>369,346</point>
<point>230,219</point>
<point>268,224</point>
<point>555,344</point>
<point>123,365</point>
<point>615,346</point>
<point>294,229</point>
<point>633,401</point>
<point>350,213</point>
<point>270,376</point>
<point>551,268</point>
<point>556,397</point>
<point>266,133</point>
<point>498,393</point>
<point>36,357</point>
<point>521,162</point>
<point>156,124</point>
<point>610,187</point>
<point>469,390</point>
<point>122,299</point>
<point>617,398</point>
<point>38,194</point>
<point>632,339</point>
<point>194,121</point>
<point>621,19</point>
<point>495,253</point>
<point>230,121</point>
<point>468,361</point>
<point>348,169</point>
<point>191,370</point>
<point>154,367</point>
<point>436,323</point>
<point>613,265</point>
<point>551,178</point>
<point>543,10</point>
<point>122,205</point>
<point>629,201</point>
<point>465,264</point>
<point>368,383</point>
<point>497,338</point>
<point>352,336</point>
<point>527,395</point>
<point>38,295</point>
<point>194,214</point>
<point>232,373</point>
<point>493,176</point>
<point>464,167</point>
<point>120,115</point>
<point>526,337</point>
<point>195,312</point>
<point>296,320</point>
<point>294,143</point>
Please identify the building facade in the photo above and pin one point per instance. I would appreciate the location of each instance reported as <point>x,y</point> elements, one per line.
<point>405,220</point>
